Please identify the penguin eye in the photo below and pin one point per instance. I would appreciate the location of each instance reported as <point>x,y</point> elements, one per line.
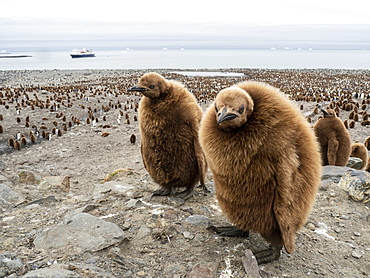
<point>241,109</point>
<point>151,87</point>
<point>216,109</point>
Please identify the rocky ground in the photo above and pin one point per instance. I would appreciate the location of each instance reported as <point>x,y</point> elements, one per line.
<point>109,225</point>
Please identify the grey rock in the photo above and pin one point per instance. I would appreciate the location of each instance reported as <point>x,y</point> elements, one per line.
<point>357,254</point>
<point>8,196</point>
<point>206,270</point>
<point>2,165</point>
<point>188,235</point>
<point>28,177</point>
<point>250,265</point>
<point>310,226</point>
<point>309,114</point>
<point>43,201</point>
<point>143,231</point>
<point>198,220</point>
<point>3,179</point>
<point>325,185</point>
<point>51,273</point>
<point>8,264</point>
<point>355,163</point>
<point>333,172</point>
<point>93,271</point>
<point>60,183</point>
<point>82,232</point>
<point>132,203</point>
<point>115,187</point>
<point>13,265</point>
<point>357,184</point>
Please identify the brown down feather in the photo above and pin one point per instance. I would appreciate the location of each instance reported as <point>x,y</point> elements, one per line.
<point>334,139</point>
<point>169,119</point>
<point>266,165</point>
<point>360,151</point>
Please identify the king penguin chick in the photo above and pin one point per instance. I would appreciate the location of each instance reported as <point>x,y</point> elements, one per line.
<point>169,119</point>
<point>360,151</point>
<point>265,162</point>
<point>334,139</point>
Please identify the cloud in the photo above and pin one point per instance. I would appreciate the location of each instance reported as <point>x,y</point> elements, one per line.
<point>205,35</point>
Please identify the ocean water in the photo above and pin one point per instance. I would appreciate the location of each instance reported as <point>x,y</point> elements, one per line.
<point>169,55</point>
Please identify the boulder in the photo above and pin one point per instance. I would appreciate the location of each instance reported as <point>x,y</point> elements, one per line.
<point>333,173</point>
<point>355,163</point>
<point>8,196</point>
<point>205,270</point>
<point>61,183</point>
<point>28,177</point>
<point>357,184</point>
<point>82,232</point>
<point>51,273</point>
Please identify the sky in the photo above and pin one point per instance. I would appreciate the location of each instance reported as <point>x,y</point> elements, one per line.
<point>37,18</point>
<point>250,12</point>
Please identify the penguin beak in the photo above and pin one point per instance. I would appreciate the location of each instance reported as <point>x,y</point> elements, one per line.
<point>323,111</point>
<point>225,116</point>
<point>137,89</point>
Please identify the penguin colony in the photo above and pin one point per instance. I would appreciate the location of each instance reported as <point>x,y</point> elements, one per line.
<point>64,107</point>
<point>265,162</point>
<point>334,139</point>
<point>169,119</point>
<point>74,94</point>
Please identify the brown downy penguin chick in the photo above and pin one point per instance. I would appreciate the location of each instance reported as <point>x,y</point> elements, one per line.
<point>133,138</point>
<point>368,165</point>
<point>360,151</point>
<point>367,143</point>
<point>334,139</point>
<point>265,162</point>
<point>169,119</point>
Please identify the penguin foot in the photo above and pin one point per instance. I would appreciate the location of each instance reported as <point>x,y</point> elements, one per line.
<point>185,195</point>
<point>268,255</point>
<point>162,192</point>
<point>206,188</point>
<point>230,231</point>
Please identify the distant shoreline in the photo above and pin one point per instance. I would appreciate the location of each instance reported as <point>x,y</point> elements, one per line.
<point>15,56</point>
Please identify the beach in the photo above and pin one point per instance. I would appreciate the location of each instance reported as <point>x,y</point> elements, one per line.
<point>85,119</point>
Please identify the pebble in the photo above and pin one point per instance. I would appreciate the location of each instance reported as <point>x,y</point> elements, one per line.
<point>132,203</point>
<point>198,220</point>
<point>188,235</point>
<point>250,265</point>
<point>143,231</point>
<point>9,264</point>
<point>357,254</point>
<point>325,185</point>
<point>355,163</point>
<point>203,270</point>
<point>310,226</point>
